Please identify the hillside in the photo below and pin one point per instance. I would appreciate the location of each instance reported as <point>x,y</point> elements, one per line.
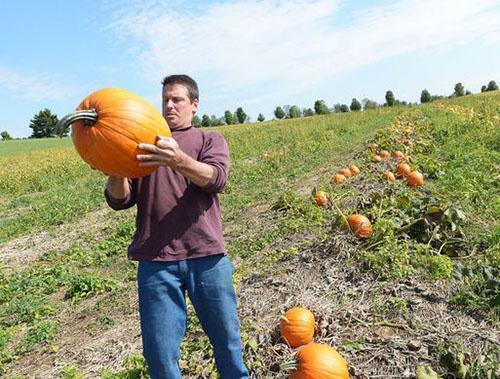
<point>423,290</point>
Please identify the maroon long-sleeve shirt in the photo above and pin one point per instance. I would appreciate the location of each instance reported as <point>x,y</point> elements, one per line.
<point>176,219</point>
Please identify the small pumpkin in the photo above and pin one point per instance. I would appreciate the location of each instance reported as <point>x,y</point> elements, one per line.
<point>407,158</point>
<point>373,146</point>
<point>376,158</point>
<point>415,179</point>
<point>407,142</point>
<point>403,170</point>
<point>338,179</point>
<point>360,225</point>
<point>321,198</point>
<point>384,154</point>
<point>317,361</point>
<point>108,125</point>
<point>345,171</point>
<point>389,176</point>
<point>398,155</point>
<point>354,169</point>
<point>297,326</point>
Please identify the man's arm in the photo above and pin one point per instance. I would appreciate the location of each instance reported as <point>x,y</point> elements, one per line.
<point>120,193</point>
<point>118,187</point>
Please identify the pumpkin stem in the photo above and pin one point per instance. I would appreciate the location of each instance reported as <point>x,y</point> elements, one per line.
<point>288,366</point>
<point>89,117</point>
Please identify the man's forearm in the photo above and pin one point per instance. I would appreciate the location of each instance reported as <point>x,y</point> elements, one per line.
<point>198,172</point>
<point>118,187</point>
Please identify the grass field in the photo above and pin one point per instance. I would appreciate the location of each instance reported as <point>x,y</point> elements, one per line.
<point>67,292</point>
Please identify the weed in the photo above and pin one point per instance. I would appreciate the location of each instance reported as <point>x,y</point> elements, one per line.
<point>87,285</point>
<point>41,332</point>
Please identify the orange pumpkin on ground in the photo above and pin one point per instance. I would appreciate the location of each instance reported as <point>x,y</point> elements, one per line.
<point>354,169</point>
<point>360,225</point>
<point>407,142</point>
<point>107,127</point>
<point>398,155</point>
<point>415,179</point>
<point>297,326</point>
<point>403,170</point>
<point>338,178</point>
<point>389,176</point>
<point>345,171</point>
<point>384,154</point>
<point>321,198</point>
<point>373,146</point>
<point>317,361</point>
<point>376,158</point>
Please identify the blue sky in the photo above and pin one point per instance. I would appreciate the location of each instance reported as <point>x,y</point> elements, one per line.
<point>251,53</point>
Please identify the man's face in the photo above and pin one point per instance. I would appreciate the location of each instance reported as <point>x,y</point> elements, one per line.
<point>178,109</point>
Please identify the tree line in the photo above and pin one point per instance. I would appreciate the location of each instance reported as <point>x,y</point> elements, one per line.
<point>43,124</point>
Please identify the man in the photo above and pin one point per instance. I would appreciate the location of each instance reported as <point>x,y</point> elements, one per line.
<point>178,241</point>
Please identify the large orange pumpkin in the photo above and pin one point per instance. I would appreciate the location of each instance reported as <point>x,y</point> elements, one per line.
<point>317,361</point>
<point>297,326</point>
<point>108,125</point>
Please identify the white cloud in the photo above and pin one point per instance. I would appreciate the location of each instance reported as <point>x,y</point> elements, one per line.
<point>32,87</point>
<point>291,45</point>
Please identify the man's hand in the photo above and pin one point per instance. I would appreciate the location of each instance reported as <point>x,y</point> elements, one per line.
<point>165,152</point>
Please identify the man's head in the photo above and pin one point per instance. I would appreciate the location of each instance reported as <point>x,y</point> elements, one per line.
<point>180,100</point>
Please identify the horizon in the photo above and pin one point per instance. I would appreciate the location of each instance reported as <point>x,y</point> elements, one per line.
<point>298,52</point>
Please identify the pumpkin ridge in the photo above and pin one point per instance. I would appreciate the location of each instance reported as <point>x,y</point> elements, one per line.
<point>140,126</point>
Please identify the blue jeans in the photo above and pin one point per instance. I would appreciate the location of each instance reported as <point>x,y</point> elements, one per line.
<point>162,307</point>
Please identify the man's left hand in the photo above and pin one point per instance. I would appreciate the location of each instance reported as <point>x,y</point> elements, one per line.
<point>165,152</point>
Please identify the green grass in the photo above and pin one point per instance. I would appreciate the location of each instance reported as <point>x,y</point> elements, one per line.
<point>19,147</point>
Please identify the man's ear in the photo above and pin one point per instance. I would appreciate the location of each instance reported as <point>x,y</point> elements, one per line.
<point>195,104</point>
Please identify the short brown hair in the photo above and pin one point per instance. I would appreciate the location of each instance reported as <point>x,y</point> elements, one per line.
<point>186,81</point>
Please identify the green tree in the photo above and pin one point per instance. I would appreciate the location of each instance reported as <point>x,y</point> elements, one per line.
<point>308,112</point>
<point>241,115</point>
<point>459,89</point>
<point>205,121</point>
<point>425,97</point>
<point>389,98</point>
<point>344,108</point>
<point>369,104</point>
<point>355,105</point>
<point>320,107</point>
<point>216,121</point>
<point>336,107</point>
<point>196,121</point>
<point>261,117</point>
<point>279,113</point>
<point>44,125</point>
<point>484,88</point>
<point>294,112</point>
<point>228,116</point>
<point>5,135</point>
<point>492,86</point>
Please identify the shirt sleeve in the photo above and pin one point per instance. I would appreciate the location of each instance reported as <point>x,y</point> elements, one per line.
<point>129,201</point>
<point>215,153</point>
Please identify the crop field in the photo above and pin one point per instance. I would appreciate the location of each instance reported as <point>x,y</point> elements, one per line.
<point>420,295</point>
